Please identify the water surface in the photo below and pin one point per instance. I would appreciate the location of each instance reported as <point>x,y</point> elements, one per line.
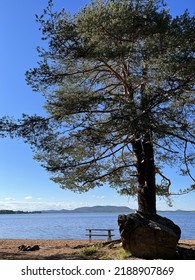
<point>74,225</point>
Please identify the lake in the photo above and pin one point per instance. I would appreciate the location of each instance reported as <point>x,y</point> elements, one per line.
<point>73,225</point>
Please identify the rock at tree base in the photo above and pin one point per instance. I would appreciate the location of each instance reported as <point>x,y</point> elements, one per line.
<point>149,236</point>
<point>185,252</point>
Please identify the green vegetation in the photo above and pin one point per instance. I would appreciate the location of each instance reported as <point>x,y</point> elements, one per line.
<point>118,81</point>
<point>123,254</point>
<point>89,251</point>
<point>19,212</point>
<point>105,251</point>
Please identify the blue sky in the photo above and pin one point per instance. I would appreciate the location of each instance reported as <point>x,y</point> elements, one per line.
<point>24,185</point>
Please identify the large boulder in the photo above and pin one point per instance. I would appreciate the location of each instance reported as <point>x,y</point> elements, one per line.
<point>149,236</point>
<point>186,252</point>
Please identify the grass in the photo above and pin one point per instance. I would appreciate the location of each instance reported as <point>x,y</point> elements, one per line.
<point>123,254</point>
<point>89,251</point>
<point>105,251</point>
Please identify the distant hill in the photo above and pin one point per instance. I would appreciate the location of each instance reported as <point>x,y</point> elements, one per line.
<point>94,209</point>
<point>98,209</point>
<point>103,209</point>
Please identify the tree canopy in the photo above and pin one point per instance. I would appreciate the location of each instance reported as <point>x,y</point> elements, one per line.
<point>118,80</point>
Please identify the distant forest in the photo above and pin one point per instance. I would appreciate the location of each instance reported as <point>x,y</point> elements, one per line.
<point>18,212</point>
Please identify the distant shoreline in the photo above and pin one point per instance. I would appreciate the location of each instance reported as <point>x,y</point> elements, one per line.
<point>93,209</point>
<point>5,212</point>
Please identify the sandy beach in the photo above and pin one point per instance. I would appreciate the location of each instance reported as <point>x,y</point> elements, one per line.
<point>49,249</point>
<point>68,249</point>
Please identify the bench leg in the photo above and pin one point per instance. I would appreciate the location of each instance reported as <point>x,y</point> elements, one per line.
<point>109,235</point>
<point>90,233</point>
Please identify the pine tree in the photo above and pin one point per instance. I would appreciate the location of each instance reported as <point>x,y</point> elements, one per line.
<point>118,81</point>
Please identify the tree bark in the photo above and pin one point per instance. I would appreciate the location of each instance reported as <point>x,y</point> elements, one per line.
<point>145,166</point>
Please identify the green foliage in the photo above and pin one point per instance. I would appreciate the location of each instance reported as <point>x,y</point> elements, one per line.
<point>115,74</point>
<point>89,251</point>
<point>123,254</point>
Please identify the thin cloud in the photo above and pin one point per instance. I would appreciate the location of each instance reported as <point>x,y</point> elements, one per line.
<point>98,196</point>
<point>29,205</point>
<point>28,197</point>
<point>9,199</point>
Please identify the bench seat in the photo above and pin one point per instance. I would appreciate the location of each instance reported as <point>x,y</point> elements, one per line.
<point>97,232</point>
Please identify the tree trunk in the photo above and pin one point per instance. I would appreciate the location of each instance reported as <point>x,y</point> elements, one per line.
<point>144,154</point>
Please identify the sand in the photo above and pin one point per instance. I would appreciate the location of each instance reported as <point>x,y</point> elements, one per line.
<point>65,249</point>
<point>49,249</point>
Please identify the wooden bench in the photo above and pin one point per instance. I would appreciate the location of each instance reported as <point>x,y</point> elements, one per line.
<point>100,232</point>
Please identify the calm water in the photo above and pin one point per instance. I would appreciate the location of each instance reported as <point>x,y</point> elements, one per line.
<point>73,225</point>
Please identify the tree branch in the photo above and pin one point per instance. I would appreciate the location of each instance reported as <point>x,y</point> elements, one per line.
<point>109,173</point>
<point>186,162</point>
